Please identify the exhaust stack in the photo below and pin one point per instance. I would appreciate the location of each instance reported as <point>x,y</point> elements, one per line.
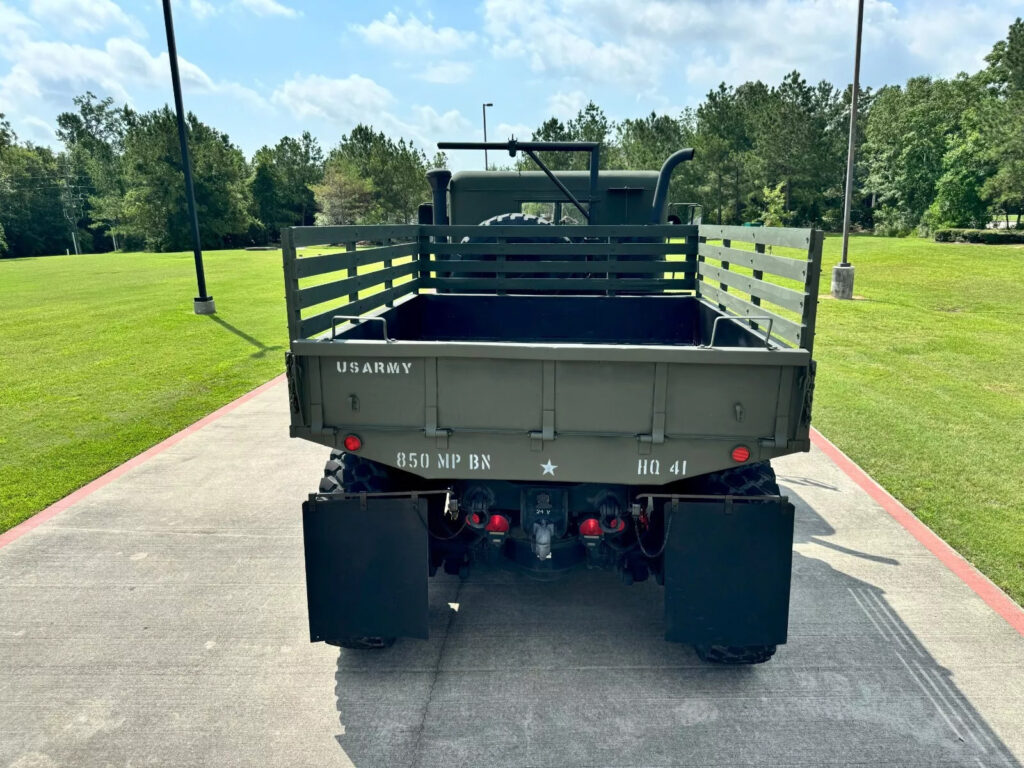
<point>438,179</point>
<point>661,191</point>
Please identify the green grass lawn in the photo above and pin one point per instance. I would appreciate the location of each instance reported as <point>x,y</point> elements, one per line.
<point>103,357</point>
<point>919,382</point>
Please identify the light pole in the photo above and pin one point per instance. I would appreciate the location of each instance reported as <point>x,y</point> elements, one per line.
<point>842,273</point>
<point>484,110</point>
<point>203,303</point>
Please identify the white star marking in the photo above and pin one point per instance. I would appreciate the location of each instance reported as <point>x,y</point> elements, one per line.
<point>549,468</point>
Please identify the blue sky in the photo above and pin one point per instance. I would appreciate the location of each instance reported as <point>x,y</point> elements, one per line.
<point>260,69</point>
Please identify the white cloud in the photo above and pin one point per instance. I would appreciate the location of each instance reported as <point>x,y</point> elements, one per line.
<point>557,39</point>
<point>818,41</point>
<point>357,99</point>
<point>14,25</point>
<point>659,49</point>
<point>930,35</point>
<point>565,105</point>
<point>38,130</point>
<point>413,35</point>
<point>84,16</point>
<point>428,122</point>
<point>202,9</point>
<point>342,101</point>
<point>508,130</point>
<point>447,72</point>
<point>269,8</point>
<point>54,72</point>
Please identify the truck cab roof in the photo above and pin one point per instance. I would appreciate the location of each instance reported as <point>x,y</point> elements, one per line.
<point>623,197</point>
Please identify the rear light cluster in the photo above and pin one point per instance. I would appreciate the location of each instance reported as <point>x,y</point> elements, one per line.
<point>497,524</point>
<point>352,443</point>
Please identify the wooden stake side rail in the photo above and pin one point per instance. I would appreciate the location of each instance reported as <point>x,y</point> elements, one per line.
<point>608,259</point>
<point>716,281</point>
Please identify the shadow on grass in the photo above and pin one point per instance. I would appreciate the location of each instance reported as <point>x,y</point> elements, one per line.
<point>261,348</point>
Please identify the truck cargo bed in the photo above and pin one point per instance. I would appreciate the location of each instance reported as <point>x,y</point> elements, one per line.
<point>680,320</point>
<point>453,377</point>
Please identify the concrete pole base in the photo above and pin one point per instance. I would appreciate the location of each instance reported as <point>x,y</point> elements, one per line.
<point>842,281</point>
<point>204,306</point>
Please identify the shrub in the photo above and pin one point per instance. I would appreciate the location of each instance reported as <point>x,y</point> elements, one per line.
<point>983,236</point>
<point>891,222</point>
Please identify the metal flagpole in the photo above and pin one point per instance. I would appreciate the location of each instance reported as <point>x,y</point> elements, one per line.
<point>203,303</point>
<point>842,274</point>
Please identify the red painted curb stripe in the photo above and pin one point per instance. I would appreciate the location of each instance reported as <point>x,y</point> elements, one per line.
<point>57,507</point>
<point>993,596</point>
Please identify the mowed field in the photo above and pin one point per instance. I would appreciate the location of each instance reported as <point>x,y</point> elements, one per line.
<point>919,381</point>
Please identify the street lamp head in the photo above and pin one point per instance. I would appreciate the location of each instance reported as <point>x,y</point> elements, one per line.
<point>488,104</point>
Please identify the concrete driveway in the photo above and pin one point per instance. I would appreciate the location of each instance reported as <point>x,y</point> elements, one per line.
<point>160,620</point>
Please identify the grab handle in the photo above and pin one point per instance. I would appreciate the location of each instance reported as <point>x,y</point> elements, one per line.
<point>735,318</point>
<point>358,319</point>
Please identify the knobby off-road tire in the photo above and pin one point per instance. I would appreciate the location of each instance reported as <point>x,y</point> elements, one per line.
<point>735,654</point>
<point>363,643</point>
<point>747,480</point>
<point>347,473</point>
<point>536,230</point>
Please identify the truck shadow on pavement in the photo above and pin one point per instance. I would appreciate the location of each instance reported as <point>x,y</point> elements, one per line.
<point>575,673</point>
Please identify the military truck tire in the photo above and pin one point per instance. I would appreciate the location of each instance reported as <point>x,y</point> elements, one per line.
<point>348,473</point>
<point>524,220</point>
<point>747,480</point>
<point>363,643</point>
<point>735,654</point>
<point>510,219</point>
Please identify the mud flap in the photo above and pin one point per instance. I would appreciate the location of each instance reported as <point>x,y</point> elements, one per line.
<point>366,565</point>
<point>727,570</point>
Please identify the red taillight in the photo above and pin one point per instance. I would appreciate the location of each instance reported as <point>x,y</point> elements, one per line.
<point>353,443</point>
<point>497,524</point>
<point>590,527</point>
<point>740,453</point>
<point>474,519</point>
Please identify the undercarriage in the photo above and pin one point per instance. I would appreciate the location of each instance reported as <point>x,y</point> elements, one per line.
<point>720,545</point>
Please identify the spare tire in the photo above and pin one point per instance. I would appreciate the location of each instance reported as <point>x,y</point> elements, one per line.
<point>521,220</point>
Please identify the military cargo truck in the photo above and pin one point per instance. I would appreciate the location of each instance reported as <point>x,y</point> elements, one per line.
<point>497,387</point>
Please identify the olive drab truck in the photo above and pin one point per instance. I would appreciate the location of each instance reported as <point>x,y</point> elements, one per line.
<point>548,372</point>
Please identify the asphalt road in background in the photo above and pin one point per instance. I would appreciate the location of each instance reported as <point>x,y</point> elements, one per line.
<point>160,620</point>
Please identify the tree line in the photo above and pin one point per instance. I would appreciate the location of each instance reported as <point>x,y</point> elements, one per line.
<point>931,153</point>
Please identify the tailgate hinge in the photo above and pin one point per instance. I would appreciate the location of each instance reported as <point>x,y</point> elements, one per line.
<point>547,407</point>
<point>430,428</point>
<point>657,435</point>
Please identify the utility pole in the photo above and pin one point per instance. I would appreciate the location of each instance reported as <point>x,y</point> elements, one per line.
<point>842,274</point>
<point>484,110</point>
<point>203,303</point>
<point>70,201</point>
